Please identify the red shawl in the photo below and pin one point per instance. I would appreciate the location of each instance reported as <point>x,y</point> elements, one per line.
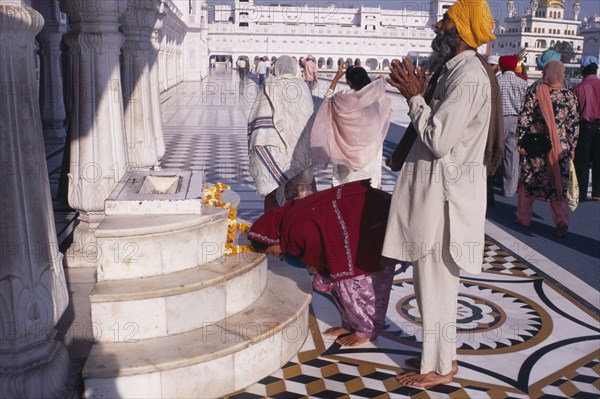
<point>340,229</point>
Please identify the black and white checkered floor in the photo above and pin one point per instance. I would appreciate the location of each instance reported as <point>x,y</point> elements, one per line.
<point>522,333</point>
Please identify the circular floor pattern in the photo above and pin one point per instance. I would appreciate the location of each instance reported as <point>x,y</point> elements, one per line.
<point>490,319</point>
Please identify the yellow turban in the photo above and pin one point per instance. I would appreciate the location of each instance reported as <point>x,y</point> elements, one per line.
<point>519,68</point>
<point>473,20</point>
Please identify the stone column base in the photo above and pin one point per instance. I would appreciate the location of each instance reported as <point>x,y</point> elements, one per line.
<point>36,372</point>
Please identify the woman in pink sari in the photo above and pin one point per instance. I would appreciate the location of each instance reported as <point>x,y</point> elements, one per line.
<point>338,233</point>
<point>350,127</point>
<point>549,109</point>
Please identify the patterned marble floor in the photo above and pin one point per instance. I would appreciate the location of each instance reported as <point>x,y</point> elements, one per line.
<point>524,329</point>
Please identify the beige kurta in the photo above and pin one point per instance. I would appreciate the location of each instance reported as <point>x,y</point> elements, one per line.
<point>445,164</point>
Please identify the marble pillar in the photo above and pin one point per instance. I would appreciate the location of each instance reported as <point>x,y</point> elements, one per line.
<point>33,292</point>
<point>138,55</point>
<point>159,136</point>
<point>170,64</point>
<point>98,153</point>
<point>204,42</point>
<point>52,103</point>
<point>162,62</point>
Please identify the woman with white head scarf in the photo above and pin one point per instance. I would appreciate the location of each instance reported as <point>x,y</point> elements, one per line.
<point>279,128</point>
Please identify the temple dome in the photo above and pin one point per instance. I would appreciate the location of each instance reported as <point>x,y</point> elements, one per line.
<point>552,4</point>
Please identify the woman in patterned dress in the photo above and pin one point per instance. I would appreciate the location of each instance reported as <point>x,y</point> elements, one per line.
<point>549,109</point>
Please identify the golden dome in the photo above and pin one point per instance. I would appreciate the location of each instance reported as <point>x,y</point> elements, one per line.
<point>552,4</point>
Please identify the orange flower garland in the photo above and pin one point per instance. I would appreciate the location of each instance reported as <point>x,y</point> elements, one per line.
<point>212,197</point>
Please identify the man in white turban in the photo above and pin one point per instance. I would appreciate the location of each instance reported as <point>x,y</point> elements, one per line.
<point>438,207</point>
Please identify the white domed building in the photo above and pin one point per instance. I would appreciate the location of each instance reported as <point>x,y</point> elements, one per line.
<point>543,24</point>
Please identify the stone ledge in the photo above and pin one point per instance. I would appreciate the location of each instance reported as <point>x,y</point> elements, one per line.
<point>207,275</point>
<point>284,303</point>
<point>139,225</point>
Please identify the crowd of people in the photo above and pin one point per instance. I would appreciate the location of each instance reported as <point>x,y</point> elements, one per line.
<point>306,69</point>
<point>548,130</point>
<point>352,236</point>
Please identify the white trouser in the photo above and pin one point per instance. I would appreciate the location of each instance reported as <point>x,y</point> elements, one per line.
<point>436,278</point>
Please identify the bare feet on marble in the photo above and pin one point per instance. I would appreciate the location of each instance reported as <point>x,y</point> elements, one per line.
<point>427,380</point>
<point>415,363</point>
<point>336,331</point>
<point>351,340</point>
<point>346,338</point>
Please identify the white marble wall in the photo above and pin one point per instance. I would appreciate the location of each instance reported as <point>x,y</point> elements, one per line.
<point>171,37</point>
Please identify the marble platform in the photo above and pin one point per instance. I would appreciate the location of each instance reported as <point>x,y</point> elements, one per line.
<point>170,313</point>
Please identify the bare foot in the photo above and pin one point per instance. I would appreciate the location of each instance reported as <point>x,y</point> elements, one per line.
<point>415,363</point>
<point>336,331</point>
<point>428,380</point>
<point>351,340</point>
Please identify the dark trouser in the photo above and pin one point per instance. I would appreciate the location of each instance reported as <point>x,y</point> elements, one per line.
<point>242,73</point>
<point>510,164</point>
<point>586,152</point>
<point>261,78</point>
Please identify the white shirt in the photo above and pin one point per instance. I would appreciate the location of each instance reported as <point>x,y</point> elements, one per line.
<point>261,68</point>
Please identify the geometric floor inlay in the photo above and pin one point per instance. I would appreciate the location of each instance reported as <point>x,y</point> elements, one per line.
<point>519,334</point>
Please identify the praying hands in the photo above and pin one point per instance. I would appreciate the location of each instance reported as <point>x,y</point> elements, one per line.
<point>404,78</point>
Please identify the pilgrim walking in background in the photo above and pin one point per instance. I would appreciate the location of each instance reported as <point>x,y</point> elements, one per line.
<point>512,92</point>
<point>338,233</point>
<point>310,72</point>
<point>350,127</point>
<point>430,208</point>
<point>549,111</point>
<point>241,67</point>
<point>543,60</point>
<point>279,131</point>
<point>588,144</point>
<point>261,70</point>
<point>493,61</point>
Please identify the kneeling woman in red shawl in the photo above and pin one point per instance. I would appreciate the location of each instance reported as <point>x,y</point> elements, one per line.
<point>338,233</point>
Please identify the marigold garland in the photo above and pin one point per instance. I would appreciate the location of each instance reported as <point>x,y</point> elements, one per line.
<point>212,197</point>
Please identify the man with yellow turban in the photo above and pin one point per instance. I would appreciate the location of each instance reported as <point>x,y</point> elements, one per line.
<point>438,207</point>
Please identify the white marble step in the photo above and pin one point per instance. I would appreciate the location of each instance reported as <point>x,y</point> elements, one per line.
<point>211,361</point>
<point>131,247</point>
<point>151,307</point>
